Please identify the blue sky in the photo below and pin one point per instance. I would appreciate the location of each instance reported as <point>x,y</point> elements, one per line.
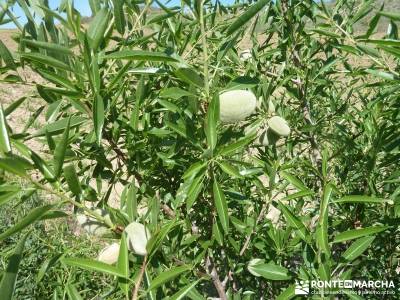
<point>81,5</point>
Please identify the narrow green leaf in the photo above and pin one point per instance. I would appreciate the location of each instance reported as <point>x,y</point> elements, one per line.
<point>363,10</point>
<point>221,206</point>
<point>294,181</point>
<point>321,235</point>
<point>8,196</point>
<point>13,106</point>
<point>190,76</point>
<point>59,80</point>
<point>5,146</point>
<point>386,42</point>
<point>123,265</point>
<point>43,167</point>
<point>288,293</point>
<point>59,126</point>
<point>59,152</point>
<point>134,120</point>
<point>184,291</point>
<point>368,50</point>
<point>362,200</point>
<point>381,74</point>
<point>357,233</point>
<point>13,165</point>
<point>119,15</point>
<point>373,23</point>
<point>178,128</point>
<point>54,214</point>
<point>9,188</point>
<point>299,194</point>
<point>98,27</point>
<point>211,123</point>
<point>392,50</point>
<point>7,57</point>
<point>294,221</point>
<point>157,239</point>
<point>326,33</point>
<point>174,93</point>
<point>131,202</point>
<point>169,105</point>
<point>169,275</point>
<point>34,215</point>
<point>229,169</point>
<point>56,48</point>
<point>9,278</point>
<point>269,271</point>
<point>239,145</point>
<point>358,248</point>
<point>46,60</point>
<point>141,55</point>
<point>98,117</point>
<point>46,266</point>
<point>323,212</point>
<point>246,16</point>
<point>194,190</point>
<point>217,234</point>
<point>93,265</point>
<point>72,179</point>
<point>391,15</point>
<point>194,169</point>
<point>72,292</point>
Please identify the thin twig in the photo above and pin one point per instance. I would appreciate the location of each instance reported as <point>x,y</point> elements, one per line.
<point>139,280</point>
<point>90,212</point>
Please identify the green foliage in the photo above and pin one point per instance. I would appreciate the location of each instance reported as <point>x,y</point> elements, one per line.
<point>130,101</point>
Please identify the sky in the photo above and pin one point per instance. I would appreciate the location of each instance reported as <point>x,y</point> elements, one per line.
<point>81,5</point>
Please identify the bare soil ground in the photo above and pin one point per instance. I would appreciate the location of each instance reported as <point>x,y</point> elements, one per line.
<point>11,92</point>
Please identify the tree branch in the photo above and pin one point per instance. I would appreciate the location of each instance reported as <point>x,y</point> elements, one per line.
<point>139,280</point>
<point>212,271</point>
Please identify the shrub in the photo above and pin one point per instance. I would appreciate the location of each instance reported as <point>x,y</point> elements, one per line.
<point>130,109</point>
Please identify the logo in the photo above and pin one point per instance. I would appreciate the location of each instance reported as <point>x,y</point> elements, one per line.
<point>302,287</point>
<point>359,287</point>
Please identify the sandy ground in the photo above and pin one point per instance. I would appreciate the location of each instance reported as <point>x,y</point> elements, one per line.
<point>12,92</point>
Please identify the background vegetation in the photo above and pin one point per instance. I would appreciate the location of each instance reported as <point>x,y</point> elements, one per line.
<point>125,117</point>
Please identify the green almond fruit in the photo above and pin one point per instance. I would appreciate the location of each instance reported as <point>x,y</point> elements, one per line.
<point>279,126</point>
<point>109,254</point>
<point>245,55</point>
<point>236,105</point>
<point>138,236</point>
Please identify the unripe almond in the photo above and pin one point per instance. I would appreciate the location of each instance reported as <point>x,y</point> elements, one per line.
<point>279,126</point>
<point>236,105</point>
<point>109,254</point>
<point>245,55</point>
<point>138,237</point>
